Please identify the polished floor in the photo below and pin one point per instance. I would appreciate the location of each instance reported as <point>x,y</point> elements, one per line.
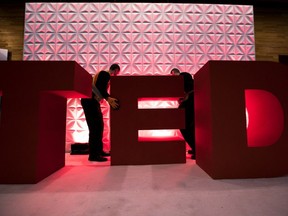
<point>93,188</point>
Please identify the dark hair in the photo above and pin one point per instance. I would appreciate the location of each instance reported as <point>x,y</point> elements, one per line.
<point>114,67</point>
<point>188,81</point>
<point>175,70</point>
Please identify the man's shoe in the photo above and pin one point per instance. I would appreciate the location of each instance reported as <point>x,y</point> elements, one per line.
<point>105,154</point>
<point>97,158</point>
<point>190,151</point>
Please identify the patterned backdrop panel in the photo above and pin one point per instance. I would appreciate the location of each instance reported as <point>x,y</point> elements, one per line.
<point>144,38</point>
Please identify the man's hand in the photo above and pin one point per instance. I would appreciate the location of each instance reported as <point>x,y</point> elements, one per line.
<point>113,102</point>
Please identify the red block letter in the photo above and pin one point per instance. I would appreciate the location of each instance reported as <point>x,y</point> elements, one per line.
<point>126,149</point>
<point>33,119</point>
<point>224,92</point>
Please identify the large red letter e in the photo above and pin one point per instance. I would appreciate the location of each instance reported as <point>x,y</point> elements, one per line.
<point>125,122</point>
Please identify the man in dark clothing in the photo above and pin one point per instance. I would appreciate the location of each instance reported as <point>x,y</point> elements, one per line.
<point>188,104</point>
<point>93,113</point>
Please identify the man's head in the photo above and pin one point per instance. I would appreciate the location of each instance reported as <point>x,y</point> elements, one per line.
<point>114,69</point>
<point>175,71</point>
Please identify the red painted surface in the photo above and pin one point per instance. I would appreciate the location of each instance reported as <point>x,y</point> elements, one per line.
<point>126,148</point>
<point>33,119</point>
<point>225,148</point>
<point>32,127</point>
<point>266,118</point>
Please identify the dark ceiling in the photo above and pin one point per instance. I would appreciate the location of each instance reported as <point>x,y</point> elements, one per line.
<point>249,2</point>
<point>265,3</point>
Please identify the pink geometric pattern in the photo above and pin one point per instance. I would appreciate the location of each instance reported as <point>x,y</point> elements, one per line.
<point>144,38</point>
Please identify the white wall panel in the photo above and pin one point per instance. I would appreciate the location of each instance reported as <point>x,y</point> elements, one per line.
<point>144,38</point>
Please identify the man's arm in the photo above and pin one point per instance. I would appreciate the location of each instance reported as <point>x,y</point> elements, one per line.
<point>102,83</point>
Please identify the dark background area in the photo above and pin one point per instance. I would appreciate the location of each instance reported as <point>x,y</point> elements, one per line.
<point>270,22</point>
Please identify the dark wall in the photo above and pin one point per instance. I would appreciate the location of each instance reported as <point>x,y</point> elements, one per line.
<point>12,29</point>
<point>271,32</point>
<point>271,29</point>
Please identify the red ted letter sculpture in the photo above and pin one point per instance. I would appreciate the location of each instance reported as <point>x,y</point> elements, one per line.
<point>33,118</point>
<point>126,149</point>
<point>225,93</point>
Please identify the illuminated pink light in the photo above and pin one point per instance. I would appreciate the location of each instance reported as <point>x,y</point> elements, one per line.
<point>266,118</point>
<point>247,118</point>
<point>154,135</point>
<point>158,103</point>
